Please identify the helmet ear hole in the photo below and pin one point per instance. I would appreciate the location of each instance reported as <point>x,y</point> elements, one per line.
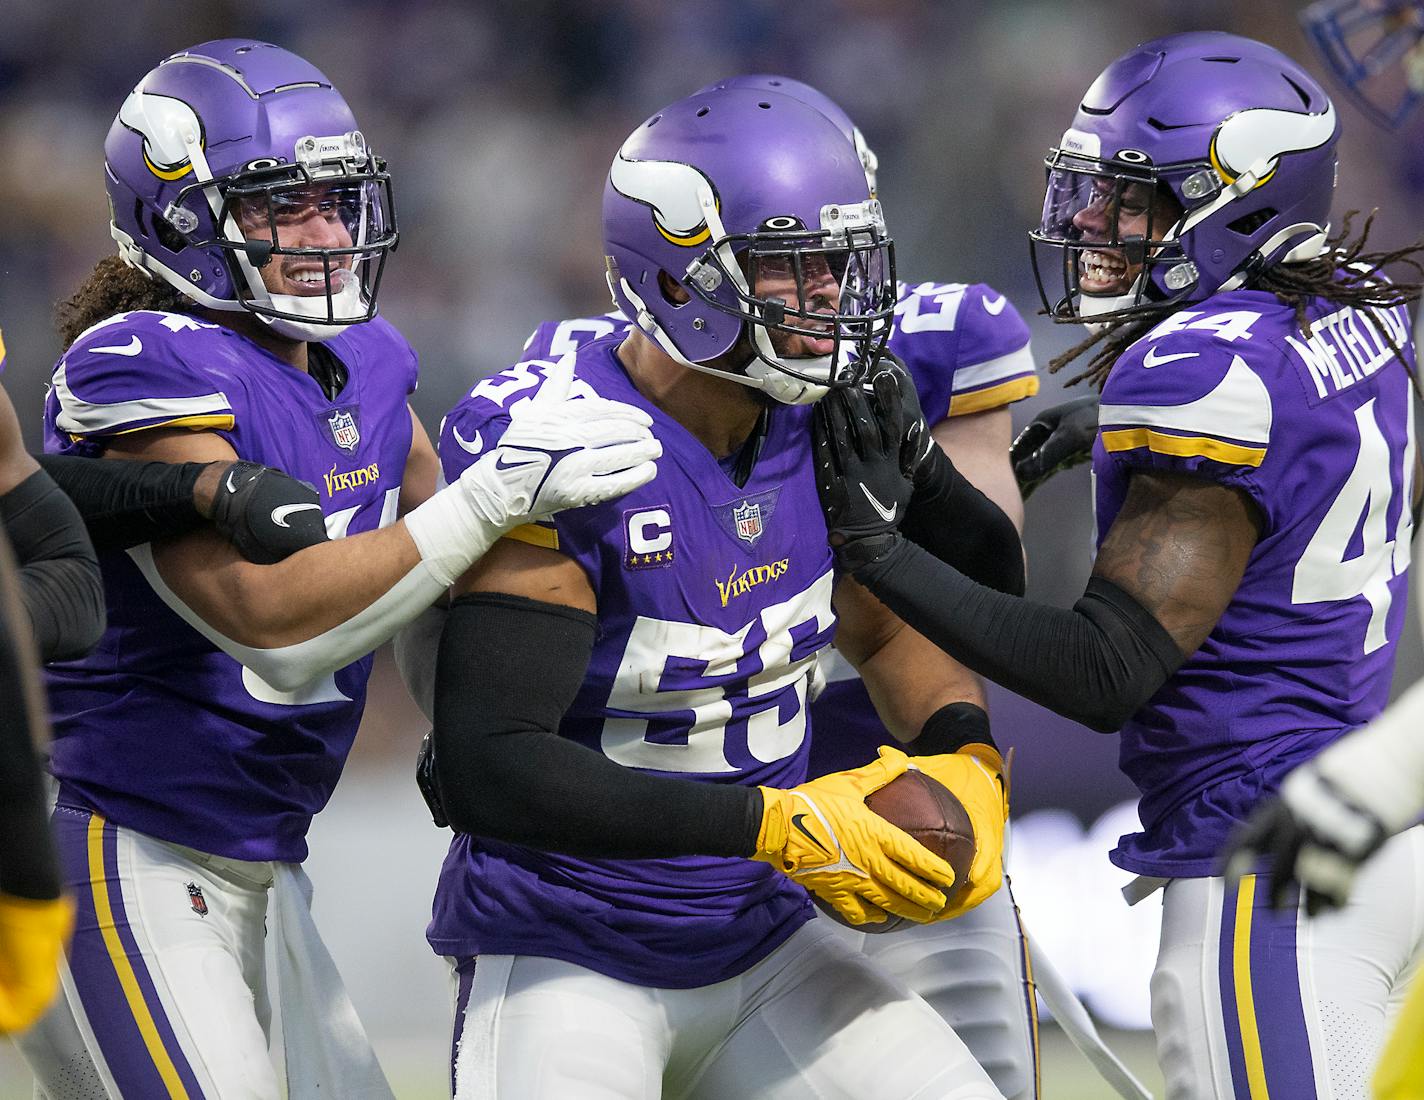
<point>1247,224</point>
<point>167,236</point>
<point>672,293</point>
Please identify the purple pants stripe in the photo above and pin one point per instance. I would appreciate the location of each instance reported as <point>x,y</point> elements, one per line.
<point>466,973</point>
<point>1030,995</point>
<point>1266,1037</point>
<point>115,987</point>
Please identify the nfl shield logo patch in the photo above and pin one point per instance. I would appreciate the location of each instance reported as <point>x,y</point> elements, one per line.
<point>746,517</point>
<point>196,899</point>
<point>344,430</point>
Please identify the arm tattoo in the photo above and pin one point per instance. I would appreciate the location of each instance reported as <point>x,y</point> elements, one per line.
<point>1179,547</point>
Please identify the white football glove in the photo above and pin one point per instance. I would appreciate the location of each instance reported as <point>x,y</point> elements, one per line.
<point>558,452</point>
<point>1334,811</point>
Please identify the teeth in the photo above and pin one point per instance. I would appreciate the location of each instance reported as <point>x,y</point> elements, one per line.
<point>1103,266</point>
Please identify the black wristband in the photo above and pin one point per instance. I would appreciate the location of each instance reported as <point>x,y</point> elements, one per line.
<point>128,503</point>
<point>952,727</point>
<point>60,582</point>
<point>502,770</point>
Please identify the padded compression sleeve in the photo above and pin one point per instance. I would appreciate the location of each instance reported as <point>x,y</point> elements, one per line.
<point>1097,663</point>
<point>508,669</point>
<point>28,867</point>
<point>60,582</point>
<point>128,503</point>
<point>962,527</point>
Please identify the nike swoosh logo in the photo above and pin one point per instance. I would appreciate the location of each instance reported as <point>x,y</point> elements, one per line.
<point>473,446</point>
<point>1152,359</point>
<point>231,484</point>
<point>501,464</point>
<point>996,306</point>
<point>133,347</point>
<point>887,514</point>
<point>279,515</point>
<point>796,824</point>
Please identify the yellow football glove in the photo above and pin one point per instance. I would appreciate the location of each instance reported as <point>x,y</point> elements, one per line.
<point>824,837</point>
<point>32,939</point>
<point>976,775</point>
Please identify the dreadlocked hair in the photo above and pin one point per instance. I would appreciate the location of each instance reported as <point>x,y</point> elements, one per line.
<point>113,287</point>
<point>1344,274</point>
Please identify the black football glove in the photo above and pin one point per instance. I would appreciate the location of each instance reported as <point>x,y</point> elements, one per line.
<point>1314,836</point>
<point>864,468</point>
<point>907,420</point>
<point>1056,439</point>
<point>425,780</point>
<point>266,514</point>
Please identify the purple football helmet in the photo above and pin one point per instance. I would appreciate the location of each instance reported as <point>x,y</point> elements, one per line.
<point>734,191</point>
<point>1194,162</point>
<point>812,97</point>
<point>235,155</point>
<point>1376,49</point>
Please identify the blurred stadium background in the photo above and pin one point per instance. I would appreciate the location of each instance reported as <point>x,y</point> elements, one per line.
<point>499,118</point>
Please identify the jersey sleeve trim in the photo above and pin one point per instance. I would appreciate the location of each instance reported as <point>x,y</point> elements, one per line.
<point>1180,446</point>
<point>81,418</point>
<point>535,535</point>
<point>993,397</point>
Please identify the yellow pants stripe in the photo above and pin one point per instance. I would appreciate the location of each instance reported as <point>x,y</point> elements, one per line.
<point>124,968</point>
<point>1245,999</point>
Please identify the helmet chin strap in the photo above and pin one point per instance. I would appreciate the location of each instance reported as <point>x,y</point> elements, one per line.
<point>1095,305</point>
<point>759,376</point>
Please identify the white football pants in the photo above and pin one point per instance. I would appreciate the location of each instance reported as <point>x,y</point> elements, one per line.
<point>974,971</point>
<point>1249,1003</point>
<point>814,1020</point>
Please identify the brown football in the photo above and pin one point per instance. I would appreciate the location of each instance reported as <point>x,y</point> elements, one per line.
<point>927,810</point>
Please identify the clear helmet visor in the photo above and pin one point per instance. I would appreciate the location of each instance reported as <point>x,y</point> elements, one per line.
<point>1100,235</point>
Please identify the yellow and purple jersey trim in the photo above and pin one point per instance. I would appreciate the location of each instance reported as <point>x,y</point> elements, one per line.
<point>535,534</point>
<point>1182,446</point>
<point>993,383</point>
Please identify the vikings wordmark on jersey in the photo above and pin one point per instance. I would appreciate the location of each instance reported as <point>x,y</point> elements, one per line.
<point>229,765</point>
<point>713,602</point>
<point>1318,431</point>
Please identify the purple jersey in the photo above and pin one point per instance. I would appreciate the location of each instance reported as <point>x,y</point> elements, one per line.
<point>713,602</point>
<point>1318,431</point>
<point>967,350</point>
<point>157,729</point>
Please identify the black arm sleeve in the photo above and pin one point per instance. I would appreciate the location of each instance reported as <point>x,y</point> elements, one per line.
<point>1096,663</point>
<point>60,582</point>
<point>28,867</point>
<point>962,527</point>
<point>128,503</point>
<point>508,669</point>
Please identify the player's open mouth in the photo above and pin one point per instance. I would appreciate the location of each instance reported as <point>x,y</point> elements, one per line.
<point>1101,272</point>
<point>311,281</point>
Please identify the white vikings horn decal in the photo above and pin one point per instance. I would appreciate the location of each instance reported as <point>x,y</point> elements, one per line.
<point>1260,135</point>
<point>161,121</point>
<point>676,192</point>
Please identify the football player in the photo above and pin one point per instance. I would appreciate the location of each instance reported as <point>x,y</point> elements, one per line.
<point>623,902</point>
<point>193,746</point>
<point>967,350</point>
<point>1253,467</point>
